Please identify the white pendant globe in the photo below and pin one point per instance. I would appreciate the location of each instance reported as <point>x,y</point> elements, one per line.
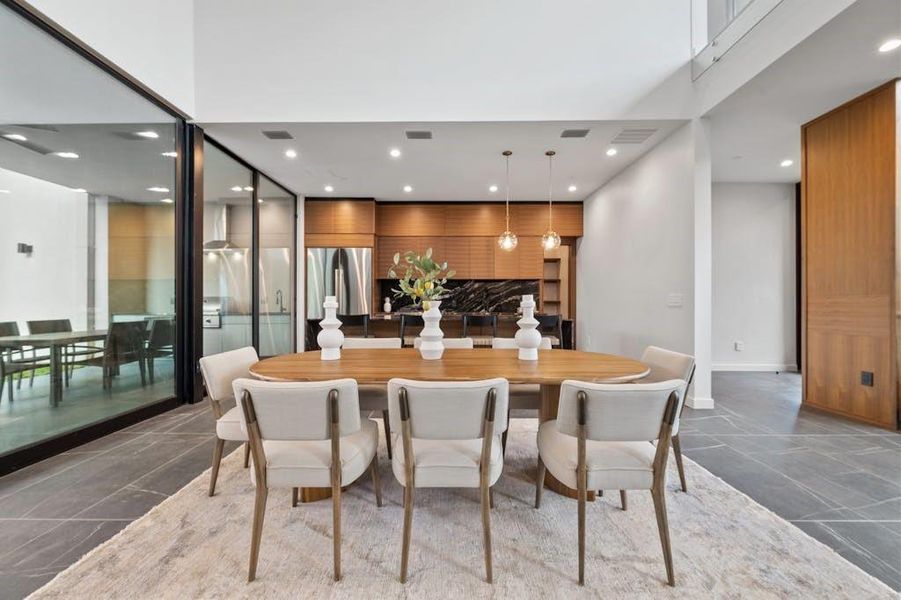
<point>507,241</point>
<point>550,240</point>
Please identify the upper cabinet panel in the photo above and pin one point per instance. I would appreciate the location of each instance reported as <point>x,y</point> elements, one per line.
<point>339,216</point>
<point>410,219</point>
<point>474,219</point>
<point>532,219</point>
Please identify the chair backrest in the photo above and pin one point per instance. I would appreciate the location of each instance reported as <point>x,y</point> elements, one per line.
<point>220,370</point>
<point>9,328</point>
<point>361,321</point>
<point>125,342</point>
<point>162,333</point>
<point>668,364</point>
<point>452,343</point>
<point>352,342</point>
<point>448,410</point>
<point>631,412</point>
<point>552,324</point>
<point>510,344</point>
<point>300,410</point>
<point>49,326</point>
<point>479,321</point>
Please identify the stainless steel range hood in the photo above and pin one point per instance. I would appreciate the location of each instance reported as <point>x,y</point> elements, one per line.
<point>215,228</point>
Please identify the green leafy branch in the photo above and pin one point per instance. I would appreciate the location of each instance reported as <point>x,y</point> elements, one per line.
<point>423,278</point>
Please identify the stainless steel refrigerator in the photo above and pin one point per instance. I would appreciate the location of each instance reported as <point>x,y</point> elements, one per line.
<point>342,272</point>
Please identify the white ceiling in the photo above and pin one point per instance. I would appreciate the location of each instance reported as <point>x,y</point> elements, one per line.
<point>430,60</point>
<point>760,125</point>
<point>459,163</point>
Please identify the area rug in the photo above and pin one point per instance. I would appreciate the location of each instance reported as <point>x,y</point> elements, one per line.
<point>724,545</point>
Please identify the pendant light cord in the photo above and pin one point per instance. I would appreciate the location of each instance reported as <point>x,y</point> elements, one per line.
<point>507,177</point>
<point>550,187</point>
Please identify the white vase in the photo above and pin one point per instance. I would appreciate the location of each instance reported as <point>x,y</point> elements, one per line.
<point>431,347</point>
<point>331,337</point>
<point>528,338</point>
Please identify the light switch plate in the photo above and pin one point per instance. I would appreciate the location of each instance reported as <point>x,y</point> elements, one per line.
<point>674,300</point>
<point>739,346</point>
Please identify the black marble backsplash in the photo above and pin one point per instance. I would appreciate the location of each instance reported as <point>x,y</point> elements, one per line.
<point>469,295</point>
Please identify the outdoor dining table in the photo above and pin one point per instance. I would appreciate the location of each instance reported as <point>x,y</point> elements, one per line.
<point>378,365</point>
<point>54,342</point>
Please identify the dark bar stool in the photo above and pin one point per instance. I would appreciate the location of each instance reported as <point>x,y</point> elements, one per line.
<point>409,321</point>
<point>358,321</point>
<point>551,326</point>
<point>482,322</point>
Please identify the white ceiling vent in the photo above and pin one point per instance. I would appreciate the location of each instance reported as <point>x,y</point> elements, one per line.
<point>634,135</point>
<point>574,133</point>
<point>419,135</point>
<point>278,135</point>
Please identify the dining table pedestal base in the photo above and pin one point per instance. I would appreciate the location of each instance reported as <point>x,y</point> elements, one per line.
<point>550,398</point>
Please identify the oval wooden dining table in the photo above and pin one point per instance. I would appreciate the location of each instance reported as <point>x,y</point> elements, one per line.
<point>377,366</point>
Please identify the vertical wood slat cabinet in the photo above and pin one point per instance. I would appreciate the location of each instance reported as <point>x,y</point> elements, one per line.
<point>848,248</point>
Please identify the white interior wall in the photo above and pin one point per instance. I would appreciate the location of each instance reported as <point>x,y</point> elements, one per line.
<point>636,255</point>
<point>51,283</point>
<point>754,291</point>
<point>152,41</point>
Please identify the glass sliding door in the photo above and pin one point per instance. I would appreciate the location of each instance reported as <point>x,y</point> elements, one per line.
<point>88,223</point>
<point>228,218</point>
<point>276,277</point>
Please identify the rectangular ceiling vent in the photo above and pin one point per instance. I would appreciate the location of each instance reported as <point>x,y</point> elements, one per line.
<point>278,135</point>
<point>574,133</point>
<point>634,135</point>
<point>419,135</point>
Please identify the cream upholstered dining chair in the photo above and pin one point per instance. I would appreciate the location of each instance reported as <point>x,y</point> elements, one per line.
<point>219,372</point>
<point>306,434</point>
<point>601,440</point>
<point>372,396</point>
<point>523,396</point>
<point>450,437</point>
<point>667,364</point>
<point>464,343</point>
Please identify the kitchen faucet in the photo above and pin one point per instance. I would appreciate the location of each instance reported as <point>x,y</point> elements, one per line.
<point>280,301</point>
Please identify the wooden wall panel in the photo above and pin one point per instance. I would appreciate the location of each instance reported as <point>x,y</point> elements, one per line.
<point>339,240</point>
<point>339,216</point>
<point>531,257</point>
<point>474,219</point>
<point>481,257</point>
<point>410,219</point>
<point>848,197</point>
<point>456,253</point>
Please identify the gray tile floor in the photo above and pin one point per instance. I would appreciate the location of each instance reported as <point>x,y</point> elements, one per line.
<point>838,481</point>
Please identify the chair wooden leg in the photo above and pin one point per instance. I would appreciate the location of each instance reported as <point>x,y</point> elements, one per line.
<point>376,480</point>
<point>259,511</point>
<point>246,454</point>
<point>408,526</point>
<point>539,483</point>
<point>583,499</point>
<point>622,499</point>
<point>663,527</point>
<point>336,527</point>
<point>677,450</point>
<point>486,530</point>
<point>387,433</point>
<point>217,458</point>
<point>295,492</point>
<point>491,497</point>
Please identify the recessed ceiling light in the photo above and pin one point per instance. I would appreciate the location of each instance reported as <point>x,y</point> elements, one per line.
<point>15,136</point>
<point>572,188</point>
<point>329,188</point>
<point>612,151</point>
<point>4,191</point>
<point>291,153</point>
<point>170,154</point>
<point>394,152</point>
<point>890,45</point>
<point>492,188</point>
<point>158,189</point>
<point>408,188</point>
<point>166,200</point>
<point>79,190</point>
<point>66,154</point>
<point>247,188</point>
<point>150,135</point>
<point>236,188</point>
<point>787,163</point>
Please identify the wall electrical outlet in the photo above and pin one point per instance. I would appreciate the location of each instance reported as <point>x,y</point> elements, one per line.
<point>866,378</point>
<point>739,346</point>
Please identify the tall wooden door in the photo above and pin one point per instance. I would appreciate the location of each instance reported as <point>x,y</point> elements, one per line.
<point>848,212</point>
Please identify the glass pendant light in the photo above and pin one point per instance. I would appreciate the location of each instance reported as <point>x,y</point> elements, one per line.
<point>507,240</point>
<point>550,240</point>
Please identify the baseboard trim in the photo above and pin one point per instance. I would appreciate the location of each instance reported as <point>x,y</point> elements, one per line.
<point>769,367</point>
<point>699,403</point>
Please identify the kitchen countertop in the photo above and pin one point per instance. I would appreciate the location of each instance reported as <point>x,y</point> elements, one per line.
<point>444,316</point>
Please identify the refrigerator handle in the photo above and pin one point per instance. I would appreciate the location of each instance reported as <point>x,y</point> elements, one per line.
<point>340,290</point>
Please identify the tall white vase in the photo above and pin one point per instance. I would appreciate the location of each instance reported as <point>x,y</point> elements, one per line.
<point>331,337</point>
<point>432,347</point>
<point>528,338</point>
